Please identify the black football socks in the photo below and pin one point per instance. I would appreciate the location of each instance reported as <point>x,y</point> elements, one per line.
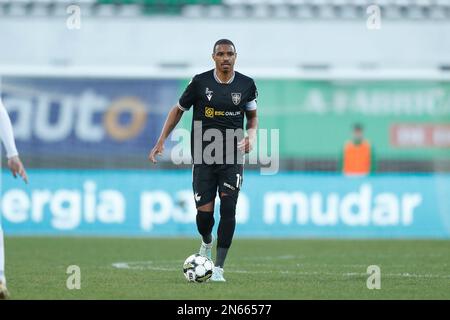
<point>205,223</point>
<point>221,256</point>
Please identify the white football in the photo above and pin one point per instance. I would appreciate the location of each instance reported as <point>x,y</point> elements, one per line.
<point>197,268</point>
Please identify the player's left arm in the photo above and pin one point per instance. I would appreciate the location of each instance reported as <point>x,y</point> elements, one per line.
<point>7,137</point>
<point>246,145</point>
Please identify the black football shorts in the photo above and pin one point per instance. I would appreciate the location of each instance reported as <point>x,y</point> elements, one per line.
<point>208,179</point>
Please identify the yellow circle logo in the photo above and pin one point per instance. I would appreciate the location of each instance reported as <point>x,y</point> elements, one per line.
<point>209,112</point>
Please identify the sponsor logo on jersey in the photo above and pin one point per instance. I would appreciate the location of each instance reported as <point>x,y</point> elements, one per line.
<point>236,98</point>
<point>232,113</point>
<point>209,94</point>
<point>209,112</point>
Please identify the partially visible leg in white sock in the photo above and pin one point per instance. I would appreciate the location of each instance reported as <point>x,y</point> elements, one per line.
<point>2,258</point>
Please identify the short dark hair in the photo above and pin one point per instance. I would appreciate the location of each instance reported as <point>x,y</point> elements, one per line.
<point>358,126</point>
<point>223,41</point>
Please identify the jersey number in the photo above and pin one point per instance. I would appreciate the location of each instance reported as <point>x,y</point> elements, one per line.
<point>238,180</point>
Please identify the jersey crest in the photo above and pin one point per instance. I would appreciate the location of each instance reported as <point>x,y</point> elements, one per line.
<point>236,98</point>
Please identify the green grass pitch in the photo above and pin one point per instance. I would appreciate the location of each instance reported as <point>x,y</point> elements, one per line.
<point>151,268</point>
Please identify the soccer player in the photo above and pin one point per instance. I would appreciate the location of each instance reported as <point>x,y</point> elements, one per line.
<point>16,167</point>
<point>221,97</point>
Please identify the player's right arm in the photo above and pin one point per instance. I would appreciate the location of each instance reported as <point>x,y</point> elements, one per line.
<point>172,120</point>
<point>187,99</point>
<point>7,137</point>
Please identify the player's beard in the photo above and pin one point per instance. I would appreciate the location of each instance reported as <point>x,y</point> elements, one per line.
<point>226,68</point>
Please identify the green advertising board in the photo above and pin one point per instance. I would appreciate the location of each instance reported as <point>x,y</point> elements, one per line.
<point>402,119</point>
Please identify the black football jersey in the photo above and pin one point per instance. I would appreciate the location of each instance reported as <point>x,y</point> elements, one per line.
<point>218,105</point>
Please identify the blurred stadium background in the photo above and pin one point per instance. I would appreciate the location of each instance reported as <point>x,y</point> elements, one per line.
<point>88,102</point>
